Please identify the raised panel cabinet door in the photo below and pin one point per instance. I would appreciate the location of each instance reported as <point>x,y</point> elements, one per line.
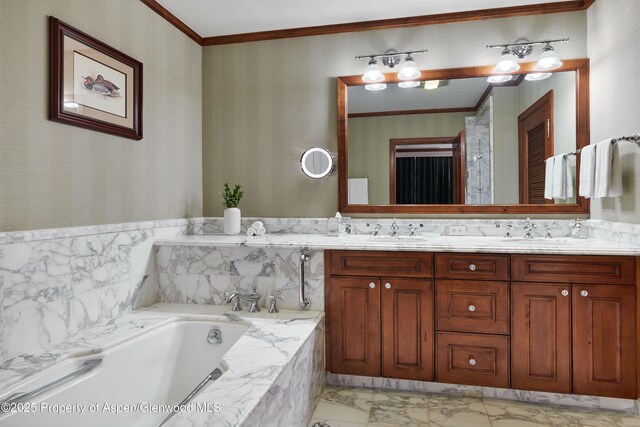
<point>407,328</point>
<point>355,325</point>
<point>604,340</point>
<point>541,337</point>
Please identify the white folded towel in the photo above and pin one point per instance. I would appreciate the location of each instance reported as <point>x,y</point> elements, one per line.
<point>608,174</point>
<point>559,177</point>
<point>261,231</point>
<point>568,180</point>
<point>257,224</point>
<point>548,178</point>
<point>358,193</point>
<point>587,171</point>
<point>251,231</point>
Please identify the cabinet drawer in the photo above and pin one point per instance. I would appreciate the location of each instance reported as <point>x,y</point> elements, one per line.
<point>472,266</point>
<point>574,269</point>
<point>367,263</point>
<point>473,359</point>
<point>470,306</point>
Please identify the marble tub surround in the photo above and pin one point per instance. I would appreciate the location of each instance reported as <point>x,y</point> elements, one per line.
<point>358,407</point>
<point>208,274</point>
<point>573,400</point>
<point>54,283</point>
<point>275,370</point>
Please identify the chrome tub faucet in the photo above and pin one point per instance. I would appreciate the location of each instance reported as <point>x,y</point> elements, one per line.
<point>253,297</point>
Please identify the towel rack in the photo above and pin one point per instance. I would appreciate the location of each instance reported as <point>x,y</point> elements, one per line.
<point>634,139</point>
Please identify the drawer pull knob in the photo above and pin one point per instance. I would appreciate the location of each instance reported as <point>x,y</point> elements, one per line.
<point>472,361</point>
<point>472,308</point>
<point>564,292</point>
<point>387,285</point>
<point>372,285</point>
<point>584,293</point>
<point>472,267</point>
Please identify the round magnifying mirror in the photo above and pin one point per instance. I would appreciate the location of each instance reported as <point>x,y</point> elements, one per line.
<point>317,163</point>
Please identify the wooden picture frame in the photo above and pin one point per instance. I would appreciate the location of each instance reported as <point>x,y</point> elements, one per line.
<point>92,85</point>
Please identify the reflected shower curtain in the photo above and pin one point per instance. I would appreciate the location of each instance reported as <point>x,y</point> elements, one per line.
<point>424,180</point>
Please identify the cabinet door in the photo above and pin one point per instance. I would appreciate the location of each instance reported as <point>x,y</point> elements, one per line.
<point>355,325</point>
<point>604,347</point>
<point>407,328</point>
<point>541,337</point>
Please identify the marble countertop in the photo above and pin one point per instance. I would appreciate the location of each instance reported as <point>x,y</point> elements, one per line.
<point>253,363</point>
<point>425,243</point>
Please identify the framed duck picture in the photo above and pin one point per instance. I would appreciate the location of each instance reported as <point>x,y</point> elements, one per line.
<point>93,85</point>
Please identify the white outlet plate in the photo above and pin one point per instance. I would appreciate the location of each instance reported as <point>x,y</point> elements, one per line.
<point>457,230</point>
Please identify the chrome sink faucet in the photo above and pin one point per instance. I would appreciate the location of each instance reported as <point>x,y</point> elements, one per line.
<point>394,228</point>
<point>253,297</point>
<point>376,231</point>
<point>412,230</point>
<point>528,228</point>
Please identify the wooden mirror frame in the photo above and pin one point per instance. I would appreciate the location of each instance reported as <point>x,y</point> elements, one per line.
<point>581,68</point>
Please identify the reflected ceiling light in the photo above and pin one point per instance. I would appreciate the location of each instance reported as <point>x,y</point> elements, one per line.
<point>432,84</point>
<point>391,58</point>
<point>508,62</point>
<point>500,78</point>
<point>408,85</point>
<point>548,60</point>
<point>71,105</point>
<point>376,86</point>
<point>409,69</point>
<point>522,48</point>
<point>533,77</point>
<point>373,73</point>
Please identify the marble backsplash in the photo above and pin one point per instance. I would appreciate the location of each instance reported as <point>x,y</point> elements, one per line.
<point>207,275</point>
<point>54,283</point>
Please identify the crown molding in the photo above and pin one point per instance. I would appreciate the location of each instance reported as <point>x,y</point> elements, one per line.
<point>382,24</point>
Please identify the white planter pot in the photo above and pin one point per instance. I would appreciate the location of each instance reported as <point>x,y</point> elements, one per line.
<point>232,221</point>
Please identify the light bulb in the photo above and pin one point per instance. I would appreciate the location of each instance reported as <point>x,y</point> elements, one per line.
<point>376,86</point>
<point>533,77</point>
<point>508,62</point>
<point>548,60</point>
<point>408,85</point>
<point>499,79</point>
<point>432,84</point>
<point>373,73</point>
<point>409,69</point>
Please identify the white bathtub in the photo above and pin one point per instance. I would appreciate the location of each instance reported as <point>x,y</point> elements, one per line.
<point>158,367</point>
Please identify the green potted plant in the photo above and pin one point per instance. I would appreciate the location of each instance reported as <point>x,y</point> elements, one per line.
<point>232,216</point>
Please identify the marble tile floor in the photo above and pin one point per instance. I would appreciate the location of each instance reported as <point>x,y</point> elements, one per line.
<point>359,407</point>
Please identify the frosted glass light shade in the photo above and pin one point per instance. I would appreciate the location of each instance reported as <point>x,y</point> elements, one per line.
<point>373,74</point>
<point>408,71</point>
<point>508,63</point>
<point>376,86</point>
<point>548,60</point>
<point>534,77</point>
<point>408,85</point>
<point>499,79</point>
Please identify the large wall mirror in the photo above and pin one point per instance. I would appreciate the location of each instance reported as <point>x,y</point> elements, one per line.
<point>456,143</point>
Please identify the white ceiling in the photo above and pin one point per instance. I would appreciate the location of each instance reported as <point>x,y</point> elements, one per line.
<point>459,93</point>
<point>223,17</point>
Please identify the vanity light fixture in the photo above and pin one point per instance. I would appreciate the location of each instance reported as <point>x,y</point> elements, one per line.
<point>375,86</point>
<point>409,84</point>
<point>408,71</point>
<point>533,77</point>
<point>522,48</point>
<point>500,78</point>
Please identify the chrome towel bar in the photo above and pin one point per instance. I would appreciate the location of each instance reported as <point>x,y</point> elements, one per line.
<point>304,257</point>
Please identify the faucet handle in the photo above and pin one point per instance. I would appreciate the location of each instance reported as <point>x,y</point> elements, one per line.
<point>273,308</point>
<point>236,304</point>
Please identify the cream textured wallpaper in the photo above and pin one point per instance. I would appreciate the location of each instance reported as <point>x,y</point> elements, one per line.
<point>369,144</point>
<point>266,102</point>
<point>55,175</point>
<point>614,40</point>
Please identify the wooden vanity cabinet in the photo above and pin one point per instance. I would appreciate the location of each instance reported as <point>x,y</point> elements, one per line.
<point>380,325</point>
<point>578,336</point>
